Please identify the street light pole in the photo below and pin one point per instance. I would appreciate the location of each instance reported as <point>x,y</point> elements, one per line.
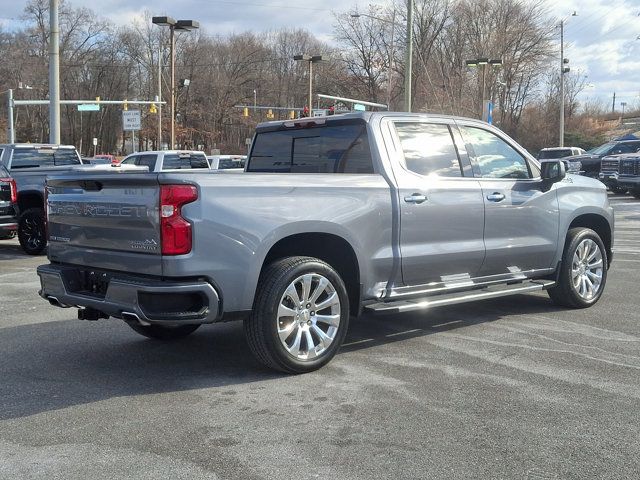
<point>173,26</point>
<point>311,59</point>
<point>54,73</point>
<point>409,58</point>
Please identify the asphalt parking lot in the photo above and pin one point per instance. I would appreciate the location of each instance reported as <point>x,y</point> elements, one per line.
<point>508,388</point>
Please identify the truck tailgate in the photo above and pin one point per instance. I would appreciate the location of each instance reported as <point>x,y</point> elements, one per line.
<point>108,220</point>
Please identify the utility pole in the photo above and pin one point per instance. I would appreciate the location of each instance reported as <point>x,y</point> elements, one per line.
<point>409,58</point>
<point>561,134</point>
<point>159,97</point>
<point>54,73</point>
<point>613,104</point>
<point>12,132</point>
<point>172,103</point>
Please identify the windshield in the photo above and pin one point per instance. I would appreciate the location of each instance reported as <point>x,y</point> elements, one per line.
<point>602,149</point>
<point>548,154</point>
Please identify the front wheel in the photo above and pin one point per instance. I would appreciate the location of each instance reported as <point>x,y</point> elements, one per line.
<point>583,273</point>
<point>161,332</point>
<point>32,231</point>
<point>300,315</point>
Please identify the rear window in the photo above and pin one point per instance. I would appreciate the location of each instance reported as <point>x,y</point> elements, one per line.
<point>331,149</point>
<point>550,154</point>
<point>226,163</point>
<point>181,161</point>
<point>44,157</point>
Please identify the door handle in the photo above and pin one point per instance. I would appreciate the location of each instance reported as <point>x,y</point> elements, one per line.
<point>495,197</point>
<point>415,198</point>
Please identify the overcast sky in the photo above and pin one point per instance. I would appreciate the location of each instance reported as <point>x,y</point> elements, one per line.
<point>601,42</point>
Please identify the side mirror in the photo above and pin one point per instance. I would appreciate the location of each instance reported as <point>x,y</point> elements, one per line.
<point>553,171</point>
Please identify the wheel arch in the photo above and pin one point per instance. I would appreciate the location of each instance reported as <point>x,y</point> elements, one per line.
<point>30,199</point>
<point>329,247</point>
<point>599,224</point>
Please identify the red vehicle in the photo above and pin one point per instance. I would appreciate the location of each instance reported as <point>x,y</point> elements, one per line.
<point>111,158</point>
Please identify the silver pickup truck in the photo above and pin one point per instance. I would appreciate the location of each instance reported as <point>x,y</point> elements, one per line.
<point>383,212</point>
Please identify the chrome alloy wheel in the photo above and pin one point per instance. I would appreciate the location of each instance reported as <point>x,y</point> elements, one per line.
<point>586,269</point>
<point>308,316</point>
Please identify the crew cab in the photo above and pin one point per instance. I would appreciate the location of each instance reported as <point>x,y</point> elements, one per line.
<point>160,160</point>
<point>374,211</point>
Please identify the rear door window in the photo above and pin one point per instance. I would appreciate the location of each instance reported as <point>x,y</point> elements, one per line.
<point>330,149</point>
<point>429,149</point>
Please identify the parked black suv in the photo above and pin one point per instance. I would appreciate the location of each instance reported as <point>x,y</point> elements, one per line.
<point>8,205</point>
<point>591,160</point>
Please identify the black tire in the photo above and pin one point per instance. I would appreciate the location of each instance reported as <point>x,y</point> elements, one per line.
<point>32,233</point>
<point>161,332</point>
<point>619,190</point>
<point>261,327</point>
<point>565,293</point>
<point>636,193</point>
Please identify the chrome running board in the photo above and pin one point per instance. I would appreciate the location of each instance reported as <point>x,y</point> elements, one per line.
<point>493,291</point>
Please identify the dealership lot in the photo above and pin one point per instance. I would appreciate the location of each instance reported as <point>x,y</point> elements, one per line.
<point>509,388</point>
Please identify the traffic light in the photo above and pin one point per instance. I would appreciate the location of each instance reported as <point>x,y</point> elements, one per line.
<point>245,112</point>
<point>98,99</point>
<point>125,106</point>
<point>565,69</point>
<point>292,114</point>
<point>270,114</point>
<point>153,108</point>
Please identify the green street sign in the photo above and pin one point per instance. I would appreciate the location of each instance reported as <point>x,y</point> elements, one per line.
<point>89,107</point>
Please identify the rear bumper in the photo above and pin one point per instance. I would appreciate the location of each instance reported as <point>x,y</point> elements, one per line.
<point>629,182</point>
<point>132,298</point>
<point>8,225</point>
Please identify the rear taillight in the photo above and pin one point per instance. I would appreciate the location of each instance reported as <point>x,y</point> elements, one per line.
<point>175,231</point>
<point>12,187</point>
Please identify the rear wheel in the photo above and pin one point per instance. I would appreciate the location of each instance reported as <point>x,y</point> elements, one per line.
<point>300,315</point>
<point>636,193</point>
<point>619,190</point>
<point>583,273</point>
<point>161,332</point>
<point>32,231</point>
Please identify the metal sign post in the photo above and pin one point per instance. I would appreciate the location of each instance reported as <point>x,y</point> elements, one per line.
<point>131,121</point>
